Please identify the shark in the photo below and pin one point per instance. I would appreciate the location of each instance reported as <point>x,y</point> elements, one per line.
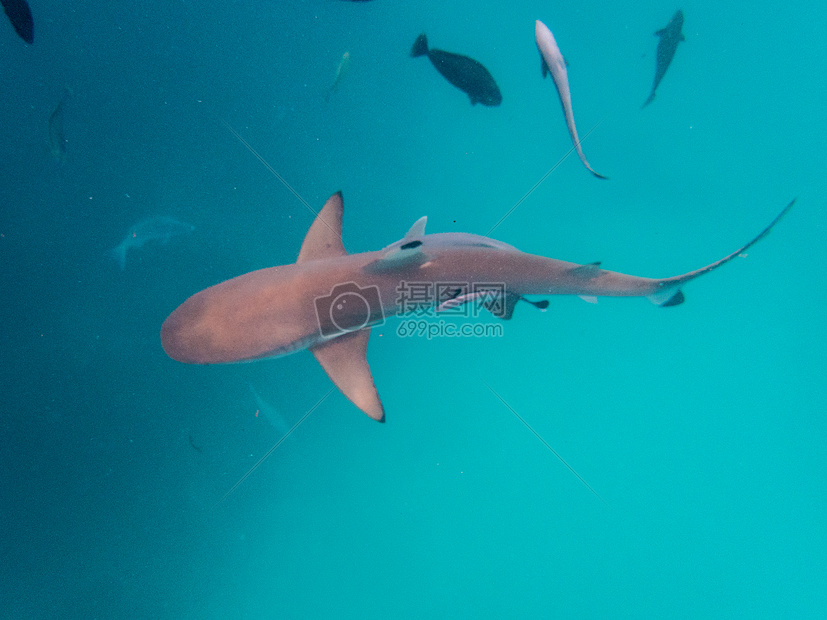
<point>328,300</point>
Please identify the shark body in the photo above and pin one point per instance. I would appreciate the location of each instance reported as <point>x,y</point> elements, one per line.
<point>328,300</point>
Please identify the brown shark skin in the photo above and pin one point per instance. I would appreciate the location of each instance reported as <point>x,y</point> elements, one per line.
<point>271,312</point>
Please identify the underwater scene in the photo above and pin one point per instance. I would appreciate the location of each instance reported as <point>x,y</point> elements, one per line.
<point>412,309</point>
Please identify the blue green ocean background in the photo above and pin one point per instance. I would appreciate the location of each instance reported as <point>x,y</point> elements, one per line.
<point>702,427</point>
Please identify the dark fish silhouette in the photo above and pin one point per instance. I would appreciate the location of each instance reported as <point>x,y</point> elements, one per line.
<point>20,16</point>
<point>57,137</point>
<point>667,46</point>
<point>465,73</point>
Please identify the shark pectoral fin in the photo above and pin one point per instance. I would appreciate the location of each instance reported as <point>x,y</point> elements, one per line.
<point>417,230</point>
<point>344,359</point>
<point>589,299</point>
<point>324,239</point>
<point>667,296</point>
<point>543,66</point>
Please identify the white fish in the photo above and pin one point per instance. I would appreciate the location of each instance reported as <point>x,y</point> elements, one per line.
<point>159,228</point>
<point>341,71</point>
<point>552,62</point>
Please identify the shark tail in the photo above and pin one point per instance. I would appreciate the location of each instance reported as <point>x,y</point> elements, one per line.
<point>649,100</point>
<point>669,292</point>
<point>420,46</point>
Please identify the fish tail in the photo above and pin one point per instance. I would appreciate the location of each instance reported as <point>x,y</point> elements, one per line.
<point>420,46</point>
<point>649,100</point>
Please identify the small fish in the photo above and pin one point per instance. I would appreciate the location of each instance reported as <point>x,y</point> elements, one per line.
<point>194,447</point>
<point>465,73</point>
<point>159,228</point>
<point>670,36</point>
<point>20,16</point>
<point>341,71</point>
<point>268,413</point>
<point>57,138</point>
<point>552,61</point>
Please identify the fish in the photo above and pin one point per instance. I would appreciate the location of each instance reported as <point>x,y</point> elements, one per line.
<point>670,36</point>
<point>341,71</point>
<point>20,16</point>
<point>57,137</point>
<point>552,61</point>
<point>465,73</point>
<point>328,300</point>
<point>158,228</point>
<point>268,413</point>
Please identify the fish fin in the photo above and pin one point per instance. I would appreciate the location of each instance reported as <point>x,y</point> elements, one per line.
<point>344,359</point>
<point>586,272</point>
<point>404,256</point>
<point>417,230</point>
<point>541,305</point>
<point>589,299</point>
<point>420,46</point>
<point>667,296</point>
<point>683,38</point>
<point>324,239</point>
<point>503,306</point>
<point>649,100</point>
<point>543,66</point>
<point>660,33</point>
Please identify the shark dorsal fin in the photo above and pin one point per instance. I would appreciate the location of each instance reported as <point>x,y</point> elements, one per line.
<point>417,230</point>
<point>408,254</point>
<point>324,239</point>
<point>345,361</point>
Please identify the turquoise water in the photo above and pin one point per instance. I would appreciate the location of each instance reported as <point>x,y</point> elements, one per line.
<point>701,428</point>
